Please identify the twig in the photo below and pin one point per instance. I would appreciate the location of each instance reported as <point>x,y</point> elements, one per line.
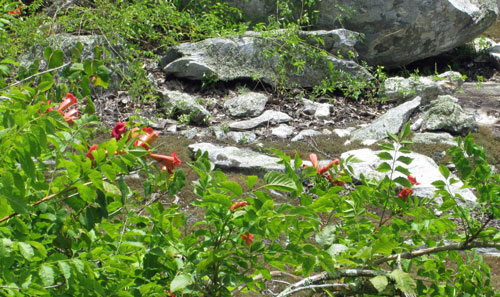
<point>35,75</point>
<point>44,199</point>
<point>314,144</point>
<point>451,247</point>
<point>260,276</point>
<point>324,276</point>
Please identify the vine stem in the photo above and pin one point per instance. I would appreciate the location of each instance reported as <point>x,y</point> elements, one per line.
<point>44,199</point>
<point>390,187</point>
<point>35,75</point>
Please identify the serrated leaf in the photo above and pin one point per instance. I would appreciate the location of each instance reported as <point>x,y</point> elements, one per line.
<point>335,249</point>
<point>110,188</point>
<point>384,245</point>
<point>65,269</point>
<point>384,167</point>
<point>384,156</point>
<point>278,181</point>
<point>6,246</point>
<point>326,237</point>
<point>404,282</point>
<point>405,131</point>
<point>86,192</point>
<point>403,170</point>
<point>404,159</point>
<point>380,282</point>
<point>90,107</point>
<point>180,282</point>
<point>26,250</point>
<point>46,273</point>
<point>403,181</point>
<point>45,85</point>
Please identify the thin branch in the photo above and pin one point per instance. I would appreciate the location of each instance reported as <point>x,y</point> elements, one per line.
<point>44,199</point>
<point>260,276</point>
<point>35,75</point>
<point>451,247</point>
<point>324,276</point>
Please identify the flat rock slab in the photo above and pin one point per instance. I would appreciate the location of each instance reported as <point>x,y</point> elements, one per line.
<point>423,168</point>
<point>269,116</point>
<point>239,159</point>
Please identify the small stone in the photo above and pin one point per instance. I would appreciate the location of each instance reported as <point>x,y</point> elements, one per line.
<point>172,128</point>
<point>242,137</point>
<point>191,133</point>
<point>417,125</point>
<point>282,131</point>
<point>326,132</point>
<point>433,138</point>
<point>343,132</point>
<point>249,104</point>
<point>269,116</point>
<point>368,142</point>
<point>306,133</point>
<point>322,111</point>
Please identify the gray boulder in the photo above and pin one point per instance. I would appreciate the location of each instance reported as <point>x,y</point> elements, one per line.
<point>249,104</point>
<point>445,114</point>
<point>185,104</point>
<point>396,32</point>
<point>391,121</point>
<point>234,58</point>
<point>269,116</point>
<point>423,168</point>
<point>304,134</point>
<point>282,131</point>
<point>239,159</point>
<point>242,137</point>
<point>399,89</point>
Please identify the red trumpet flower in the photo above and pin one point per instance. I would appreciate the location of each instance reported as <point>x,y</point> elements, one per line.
<point>413,180</point>
<point>405,193</point>
<point>167,162</point>
<point>147,139</point>
<point>247,238</point>
<point>238,204</point>
<point>71,116</point>
<point>68,101</point>
<point>118,130</point>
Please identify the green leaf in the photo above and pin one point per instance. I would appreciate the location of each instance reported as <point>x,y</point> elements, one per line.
<point>404,282</point>
<point>384,245</point>
<point>384,167</point>
<point>403,181</point>
<point>90,107</point>
<point>180,282</point>
<point>86,192</point>
<point>232,187</point>
<point>46,273</point>
<point>380,282</point>
<point>326,237</point>
<point>26,250</point>
<point>102,77</point>
<point>56,59</point>
<point>403,170</point>
<point>405,131</point>
<point>278,181</point>
<point>384,156</point>
<point>65,269</point>
<point>405,160</point>
<point>251,181</point>
<point>110,188</point>
<point>47,52</point>
<point>444,171</point>
<point>6,246</point>
<point>45,85</point>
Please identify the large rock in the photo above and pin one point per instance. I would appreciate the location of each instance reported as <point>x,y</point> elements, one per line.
<point>391,121</point>
<point>445,114</point>
<point>239,159</point>
<point>396,32</point>
<point>423,168</point>
<point>401,89</point>
<point>235,58</point>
